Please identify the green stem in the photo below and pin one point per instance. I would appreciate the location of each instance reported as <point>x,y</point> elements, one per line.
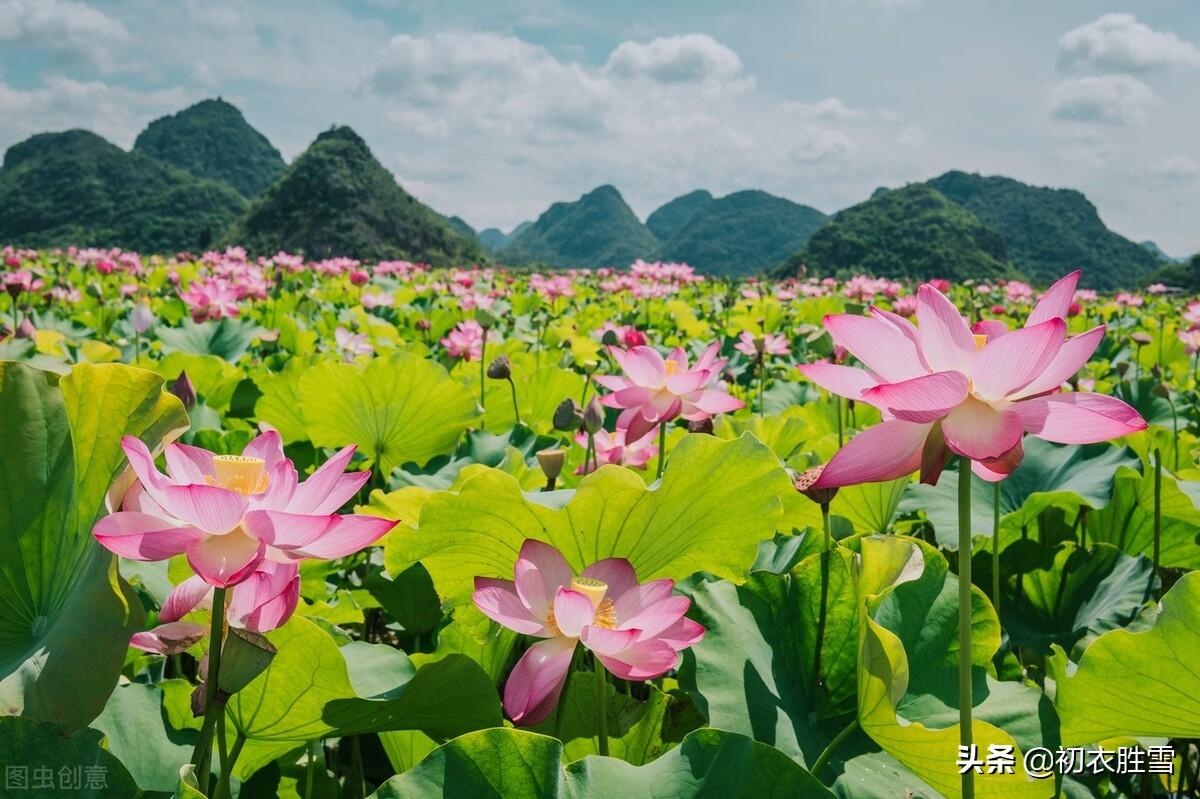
<point>358,778</point>
<point>762,368</point>
<point>513,386</point>
<point>601,707</point>
<point>662,447</point>
<point>1157,505</point>
<point>823,759</point>
<point>310,769</point>
<point>964,618</point>
<point>841,434</point>
<point>202,754</point>
<point>996,547</point>
<point>483,372</point>
<point>823,612</point>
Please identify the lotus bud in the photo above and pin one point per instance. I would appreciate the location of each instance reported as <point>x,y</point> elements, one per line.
<point>701,426</point>
<point>567,416</point>
<point>1162,390</point>
<point>183,388</point>
<point>95,290</point>
<point>500,368</point>
<point>593,416</point>
<point>1141,338</point>
<point>804,483</point>
<point>423,325</point>
<point>485,319</point>
<point>1122,368</point>
<point>551,462</point>
<point>610,339</point>
<point>141,317</point>
<point>26,329</point>
<point>244,656</point>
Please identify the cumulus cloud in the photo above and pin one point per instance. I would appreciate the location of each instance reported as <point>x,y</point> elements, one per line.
<point>816,143</point>
<point>1120,43</point>
<point>62,25</point>
<point>690,58</point>
<point>1108,99</point>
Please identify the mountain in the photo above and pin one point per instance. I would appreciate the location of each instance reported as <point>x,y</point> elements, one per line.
<point>1157,252</point>
<point>911,232</point>
<point>336,199</point>
<point>1049,232</point>
<point>494,238</point>
<point>212,139</point>
<point>669,218</point>
<point>460,224</point>
<point>742,233</point>
<point>75,188</point>
<point>598,229</point>
<point>1181,274</point>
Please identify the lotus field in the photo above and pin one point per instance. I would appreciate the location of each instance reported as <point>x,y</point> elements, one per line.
<point>282,527</point>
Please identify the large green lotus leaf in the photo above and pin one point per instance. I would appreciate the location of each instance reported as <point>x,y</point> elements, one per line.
<point>515,452</point>
<point>784,434</point>
<point>65,617</point>
<point>314,689</point>
<point>1068,593</point>
<point>908,666</point>
<point>878,775</point>
<point>472,634</point>
<point>1049,476</point>
<point>396,409</point>
<point>513,764</point>
<point>135,725</point>
<point>539,392</point>
<point>870,507</point>
<point>1128,521</point>
<point>753,672</point>
<point>635,729</point>
<point>226,338</point>
<point>280,401</point>
<point>55,763</point>
<point>1136,683</point>
<point>716,501</point>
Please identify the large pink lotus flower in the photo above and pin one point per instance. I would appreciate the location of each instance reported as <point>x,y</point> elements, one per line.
<point>655,390</point>
<point>230,514</point>
<point>636,630</point>
<point>943,390</point>
<point>615,448</point>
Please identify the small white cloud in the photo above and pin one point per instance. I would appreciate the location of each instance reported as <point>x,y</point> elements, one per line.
<point>1173,169</point>
<point>818,143</point>
<point>1109,100</point>
<point>689,58</point>
<point>829,108</point>
<point>62,25</point>
<point>1120,43</point>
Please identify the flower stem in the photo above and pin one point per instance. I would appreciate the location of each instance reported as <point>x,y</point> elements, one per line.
<point>841,435</point>
<point>823,759</point>
<point>1157,505</point>
<point>662,447</point>
<point>516,411</point>
<point>202,754</point>
<point>601,707</point>
<point>964,618</point>
<point>483,372</point>
<point>996,546</point>
<point>823,613</point>
<point>762,368</point>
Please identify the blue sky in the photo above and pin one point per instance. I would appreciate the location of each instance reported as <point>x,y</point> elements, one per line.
<point>493,110</point>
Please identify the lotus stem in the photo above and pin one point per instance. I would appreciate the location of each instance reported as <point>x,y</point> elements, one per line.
<point>964,618</point>
<point>823,759</point>
<point>662,447</point>
<point>996,546</point>
<point>840,432</point>
<point>516,410</point>
<point>483,373</point>
<point>310,769</point>
<point>601,707</point>
<point>824,610</point>
<point>202,754</point>
<point>762,369</point>
<point>357,776</point>
<point>1157,506</point>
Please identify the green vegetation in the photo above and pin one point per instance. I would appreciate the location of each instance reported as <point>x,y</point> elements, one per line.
<point>598,229</point>
<point>74,187</point>
<point>668,219</point>
<point>912,232</point>
<point>1185,275</point>
<point>1049,231</point>
<point>743,233</point>
<point>337,200</point>
<point>212,139</point>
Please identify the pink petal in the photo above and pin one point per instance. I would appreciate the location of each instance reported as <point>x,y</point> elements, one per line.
<point>902,325</point>
<point>644,660</point>
<point>281,487</point>
<point>845,381</point>
<point>317,494</point>
<point>993,470</point>
<point>612,382</point>
<point>682,634</point>
<point>539,572</point>
<point>707,361</point>
<point>946,340</point>
<point>344,536</point>
<point>878,344</point>
<point>140,536</point>
<point>921,399</point>
<point>286,530</point>
<point>616,573</point>
<point>990,329</point>
<point>186,596</point>
<point>640,597</point>
<point>603,641</point>
<point>1057,300</point>
<point>210,508</point>
<point>1071,357</point>
<point>1009,363</point>
<point>534,686</point>
<point>886,451</point>
<point>636,425</point>
<point>499,601</point>
<point>978,431</point>
<point>686,382</point>
<point>1078,418</point>
<point>142,463</point>
<point>572,612</point>
<point>268,447</point>
<point>654,619</point>
<point>643,365</point>
<point>169,639</point>
<point>224,560</point>
<point>187,464</point>
<point>267,598</point>
<point>711,401</point>
<point>274,611</point>
<point>628,398</point>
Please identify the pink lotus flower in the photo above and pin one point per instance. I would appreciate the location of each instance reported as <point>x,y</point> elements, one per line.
<point>230,514</point>
<point>465,341</point>
<point>1190,339</point>
<point>612,448</point>
<point>942,390</point>
<point>753,346</point>
<point>210,299</point>
<point>352,344</point>
<point>635,631</point>
<point>655,390</point>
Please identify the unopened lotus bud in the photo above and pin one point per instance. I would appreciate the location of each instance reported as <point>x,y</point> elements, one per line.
<point>567,416</point>
<point>423,324</point>
<point>1122,368</point>
<point>804,484</point>
<point>141,317</point>
<point>244,656</point>
<point>26,329</point>
<point>485,319</point>
<point>500,368</point>
<point>551,462</point>
<point>1142,339</point>
<point>610,338</point>
<point>1162,390</point>
<point>593,416</point>
<point>95,290</point>
<point>701,426</point>
<point>183,388</point>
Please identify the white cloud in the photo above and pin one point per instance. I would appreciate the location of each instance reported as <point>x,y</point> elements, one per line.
<point>62,25</point>
<point>1120,43</point>
<point>690,58</point>
<point>829,108</point>
<point>817,143</point>
<point>1109,100</point>
<point>1173,169</point>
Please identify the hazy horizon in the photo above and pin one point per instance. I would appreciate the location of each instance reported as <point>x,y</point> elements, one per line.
<point>492,114</point>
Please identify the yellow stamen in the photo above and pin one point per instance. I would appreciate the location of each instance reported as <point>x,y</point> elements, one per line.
<point>591,588</point>
<point>672,367</point>
<point>980,341</point>
<point>238,473</point>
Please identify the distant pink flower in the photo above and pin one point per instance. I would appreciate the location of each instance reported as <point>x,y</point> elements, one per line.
<point>352,344</point>
<point>378,299</point>
<point>769,344</point>
<point>210,299</point>
<point>627,335</point>
<point>655,390</point>
<point>941,284</point>
<point>231,513</point>
<point>984,391</point>
<point>906,306</point>
<point>612,448</point>
<point>1129,300</point>
<point>465,341</point>
<point>1156,288</point>
<point>635,630</point>
<point>360,277</point>
<point>1191,340</point>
